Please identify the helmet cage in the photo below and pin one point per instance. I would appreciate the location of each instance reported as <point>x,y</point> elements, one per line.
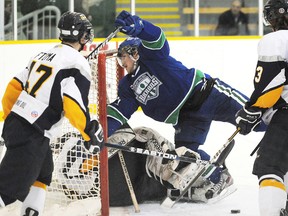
<point>130,50</point>
<point>130,46</point>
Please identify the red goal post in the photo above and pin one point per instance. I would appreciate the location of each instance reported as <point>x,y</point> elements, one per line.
<point>109,74</point>
<point>79,176</point>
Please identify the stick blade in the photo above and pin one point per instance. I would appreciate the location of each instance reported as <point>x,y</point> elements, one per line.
<point>167,203</point>
<point>222,157</point>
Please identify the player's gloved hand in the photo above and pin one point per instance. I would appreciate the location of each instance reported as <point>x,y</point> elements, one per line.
<point>247,119</point>
<point>96,142</point>
<point>130,25</point>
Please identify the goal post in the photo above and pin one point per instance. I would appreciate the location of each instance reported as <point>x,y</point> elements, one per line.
<point>79,176</point>
<point>109,74</point>
<point>104,177</point>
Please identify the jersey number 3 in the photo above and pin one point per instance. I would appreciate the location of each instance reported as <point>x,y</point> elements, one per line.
<point>259,71</point>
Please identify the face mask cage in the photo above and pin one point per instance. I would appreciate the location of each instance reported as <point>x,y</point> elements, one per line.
<point>266,16</point>
<point>89,36</point>
<point>129,50</point>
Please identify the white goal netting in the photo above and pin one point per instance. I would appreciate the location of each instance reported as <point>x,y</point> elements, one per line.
<point>77,174</point>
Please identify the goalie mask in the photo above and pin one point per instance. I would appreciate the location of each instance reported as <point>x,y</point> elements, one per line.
<point>73,26</point>
<point>76,170</point>
<point>276,14</point>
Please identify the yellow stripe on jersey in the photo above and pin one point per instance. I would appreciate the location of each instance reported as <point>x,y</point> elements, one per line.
<point>11,94</point>
<point>1,116</point>
<point>75,115</point>
<point>40,185</point>
<point>272,183</point>
<point>269,99</point>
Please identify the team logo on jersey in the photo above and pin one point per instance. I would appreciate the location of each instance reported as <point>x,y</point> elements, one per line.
<point>146,87</point>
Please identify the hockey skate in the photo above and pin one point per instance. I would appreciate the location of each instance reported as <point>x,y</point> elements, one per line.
<point>222,189</point>
<point>194,194</point>
<point>208,192</point>
<point>218,160</point>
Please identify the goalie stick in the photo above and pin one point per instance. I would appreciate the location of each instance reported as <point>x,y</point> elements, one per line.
<point>128,181</point>
<point>150,152</point>
<point>217,160</point>
<point>95,52</point>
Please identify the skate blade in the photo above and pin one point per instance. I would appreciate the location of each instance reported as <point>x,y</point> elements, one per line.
<point>167,203</point>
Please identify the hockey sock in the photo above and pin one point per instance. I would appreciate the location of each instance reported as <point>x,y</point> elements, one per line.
<point>33,205</point>
<point>272,197</point>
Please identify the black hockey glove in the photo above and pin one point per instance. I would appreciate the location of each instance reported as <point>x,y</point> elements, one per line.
<point>131,25</point>
<point>247,119</point>
<point>96,142</point>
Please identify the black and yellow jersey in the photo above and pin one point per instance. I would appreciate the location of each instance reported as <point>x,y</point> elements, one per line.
<point>55,83</point>
<point>270,80</point>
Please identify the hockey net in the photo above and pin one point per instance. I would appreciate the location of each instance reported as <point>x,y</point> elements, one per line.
<point>80,177</point>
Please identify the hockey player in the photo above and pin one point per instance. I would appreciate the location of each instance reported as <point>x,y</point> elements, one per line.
<point>169,92</point>
<point>269,102</point>
<point>53,85</point>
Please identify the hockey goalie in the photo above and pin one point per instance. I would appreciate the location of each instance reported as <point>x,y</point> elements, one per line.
<point>153,178</point>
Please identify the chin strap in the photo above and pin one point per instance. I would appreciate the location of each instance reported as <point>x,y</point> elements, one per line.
<point>82,46</point>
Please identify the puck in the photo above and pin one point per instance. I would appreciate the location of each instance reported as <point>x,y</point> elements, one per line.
<point>235,211</point>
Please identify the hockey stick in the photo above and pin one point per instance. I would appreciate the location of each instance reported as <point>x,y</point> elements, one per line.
<point>129,183</point>
<point>255,149</point>
<point>218,159</point>
<point>151,153</point>
<point>101,45</point>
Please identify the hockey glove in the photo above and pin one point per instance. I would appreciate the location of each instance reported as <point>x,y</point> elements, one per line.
<point>131,25</point>
<point>96,142</point>
<point>247,119</point>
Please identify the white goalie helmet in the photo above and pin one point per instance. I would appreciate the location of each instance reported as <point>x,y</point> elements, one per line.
<point>75,169</point>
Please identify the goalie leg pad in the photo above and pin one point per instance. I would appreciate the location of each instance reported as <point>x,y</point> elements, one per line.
<point>177,174</point>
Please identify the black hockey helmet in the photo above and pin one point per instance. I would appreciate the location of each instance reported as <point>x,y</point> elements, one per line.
<point>276,14</point>
<point>130,46</point>
<point>73,25</point>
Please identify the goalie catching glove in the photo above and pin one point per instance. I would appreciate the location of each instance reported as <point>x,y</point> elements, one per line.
<point>130,25</point>
<point>248,118</point>
<point>96,142</point>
